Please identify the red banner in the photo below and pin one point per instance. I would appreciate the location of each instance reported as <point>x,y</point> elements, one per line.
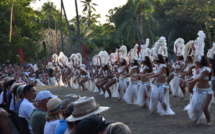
<point>21,56</point>
<point>84,51</point>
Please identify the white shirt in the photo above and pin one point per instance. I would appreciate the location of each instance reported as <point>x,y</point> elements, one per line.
<point>1,97</point>
<point>25,110</point>
<point>12,107</point>
<point>50,126</point>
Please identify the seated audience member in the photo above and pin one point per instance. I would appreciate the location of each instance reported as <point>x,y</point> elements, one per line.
<point>92,125</point>
<point>62,126</point>
<point>117,128</point>
<point>83,108</point>
<point>4,122</point>
<point>54,114</point>
<point>38,116</point>
<point>26,107</point>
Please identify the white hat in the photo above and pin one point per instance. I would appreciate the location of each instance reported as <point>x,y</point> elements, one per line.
<point>44,95</point>
<point>85,107</point>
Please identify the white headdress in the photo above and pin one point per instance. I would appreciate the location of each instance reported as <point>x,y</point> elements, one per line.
<point>199,46</point>
<point>96,60</point>
<point>145,51</point>
<point>132,55</point>
<point>160,47</point>
<point>104,57</point>
<point>49,65</point>
<point>122,52</point>
<point>54,57</point>
<point>62,59</point>
<point>79,58</point>
<point>113,57</point>
<point>179,47</point>
<point>189,49</point>
<point>211,52</point>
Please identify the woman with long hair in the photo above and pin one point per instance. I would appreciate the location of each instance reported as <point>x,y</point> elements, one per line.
<point>130,96</point>
<point>211,56</point>
<point>122,71</point>
<point>202,93</point>
<point>145,89</point>
<point>176,67</point>
<point>159,100</point>
<point>111,80</point>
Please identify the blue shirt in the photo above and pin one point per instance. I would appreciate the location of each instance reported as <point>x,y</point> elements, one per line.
<point>61,127</point>
<point>17,106</point>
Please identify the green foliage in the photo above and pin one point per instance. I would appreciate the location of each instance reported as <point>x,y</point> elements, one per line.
<point>27,31</point>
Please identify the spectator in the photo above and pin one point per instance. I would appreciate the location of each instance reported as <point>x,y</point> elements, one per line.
<point>71,126</point>
<point>19,98</point>
<point>117,128</point>
<point>53,116</point>
<point>26,107</point>
<point>4,122</point>
<point>13,92</point>
<point>67,100</point>
<point>84,107</point>
<point>38,116</point>
<point>92,125</point>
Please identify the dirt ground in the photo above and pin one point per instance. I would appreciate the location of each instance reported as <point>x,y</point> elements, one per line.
<point>140,120</point>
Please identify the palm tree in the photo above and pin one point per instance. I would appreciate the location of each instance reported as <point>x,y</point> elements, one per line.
<point>88,9</point>
<point>130,21</point>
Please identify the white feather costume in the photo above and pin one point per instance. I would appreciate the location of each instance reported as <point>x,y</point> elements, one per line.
<point>197,102</point>
<point>144,89</point>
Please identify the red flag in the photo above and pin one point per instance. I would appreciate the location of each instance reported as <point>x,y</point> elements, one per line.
<point>84,51</point>
<point>12,23</point>
<point>21,56</point>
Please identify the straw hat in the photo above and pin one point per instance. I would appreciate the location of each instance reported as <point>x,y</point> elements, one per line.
<point>68,99</point>
<point>53,105</point>
<point>85,107</point>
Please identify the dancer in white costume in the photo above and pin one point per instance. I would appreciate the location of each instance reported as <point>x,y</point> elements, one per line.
<point>187,71</point>
<point>51,76</point>
<point>146,67</point>
<point>122,71</point>
<point>211,56</point>
<point>102,73</point>
<point>83,76</point>
<point>113,62</point>
<point>131,93</point>
<point>159,100</point>
<point>202,93</point>
<point>176,67</point>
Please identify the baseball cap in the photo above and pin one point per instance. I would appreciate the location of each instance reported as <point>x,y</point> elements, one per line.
<point>44,95</point>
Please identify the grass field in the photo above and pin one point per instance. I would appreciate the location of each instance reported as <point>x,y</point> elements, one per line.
<point>140,120</point>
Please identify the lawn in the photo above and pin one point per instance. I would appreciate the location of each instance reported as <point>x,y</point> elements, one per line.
<point>139,119</point>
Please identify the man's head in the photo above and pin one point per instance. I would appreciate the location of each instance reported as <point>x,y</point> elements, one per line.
<point>42,99</point>
<point>29,92</point>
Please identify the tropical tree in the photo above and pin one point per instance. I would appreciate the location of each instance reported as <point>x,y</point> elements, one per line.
<point>27,31</point>
<point>128,21</point>
<point>88,10</point>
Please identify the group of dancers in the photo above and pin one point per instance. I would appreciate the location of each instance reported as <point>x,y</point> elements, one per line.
<point>144,76</point>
